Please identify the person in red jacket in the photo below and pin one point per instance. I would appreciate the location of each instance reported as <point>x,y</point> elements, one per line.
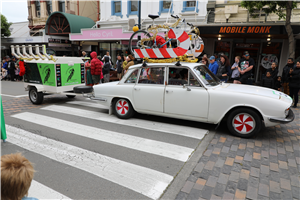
<point>96,68</point>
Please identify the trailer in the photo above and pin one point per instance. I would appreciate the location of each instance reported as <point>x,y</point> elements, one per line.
<point>45,75</point>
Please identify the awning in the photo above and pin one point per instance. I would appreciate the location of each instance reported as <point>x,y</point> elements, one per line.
<point>59,23</point>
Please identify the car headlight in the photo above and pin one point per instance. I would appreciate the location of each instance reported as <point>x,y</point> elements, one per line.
<point>286,112</point>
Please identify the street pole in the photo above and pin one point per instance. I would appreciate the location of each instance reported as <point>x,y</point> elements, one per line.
<point>139,14</point>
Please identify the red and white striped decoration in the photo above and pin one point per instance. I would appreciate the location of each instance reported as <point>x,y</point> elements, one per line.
<point>178,34</point>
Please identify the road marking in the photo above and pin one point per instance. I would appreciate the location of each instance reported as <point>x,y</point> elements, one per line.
<point>40,191</point>
<point>164,149</point>
<point>18,96</point>
<point>139,123</point>
<point>148,182</point>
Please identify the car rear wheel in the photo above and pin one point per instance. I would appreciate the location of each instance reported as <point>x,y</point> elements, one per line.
<point>35,96</point>
<point>123,108</point>
<point>244,122</point>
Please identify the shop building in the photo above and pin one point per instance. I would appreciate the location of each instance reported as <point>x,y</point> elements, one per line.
<point>112,32</point>
<point>231,30</point>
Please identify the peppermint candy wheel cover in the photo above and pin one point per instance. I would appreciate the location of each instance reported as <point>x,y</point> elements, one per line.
<point>122,107</point>
<point>243,123</point>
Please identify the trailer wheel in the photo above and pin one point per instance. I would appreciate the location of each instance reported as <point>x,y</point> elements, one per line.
<point>71,96</point>
<point>35,96</point>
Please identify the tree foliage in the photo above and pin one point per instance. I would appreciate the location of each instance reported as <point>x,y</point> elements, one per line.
<point>276,7</point>
<point>5,32</point>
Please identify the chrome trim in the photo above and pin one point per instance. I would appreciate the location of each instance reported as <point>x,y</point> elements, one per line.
<point>289,118</point>
<point>98,99</point>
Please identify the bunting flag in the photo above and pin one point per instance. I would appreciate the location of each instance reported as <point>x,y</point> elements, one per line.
<point>2,122</point>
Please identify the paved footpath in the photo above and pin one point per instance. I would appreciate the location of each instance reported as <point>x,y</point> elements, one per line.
<point>264,167</point>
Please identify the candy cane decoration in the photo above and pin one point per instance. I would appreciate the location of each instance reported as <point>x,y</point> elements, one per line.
<point>178,34</point>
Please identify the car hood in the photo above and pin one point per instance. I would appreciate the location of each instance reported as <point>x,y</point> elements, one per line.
<point>256,90</point>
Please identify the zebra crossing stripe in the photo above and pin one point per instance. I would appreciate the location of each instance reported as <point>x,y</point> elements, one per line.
<point>144,124</point>
<point>40,191</point>
<point>148,182</point>
<point>172,151</point>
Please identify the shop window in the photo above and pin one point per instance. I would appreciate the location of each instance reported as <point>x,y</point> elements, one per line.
<point>222,47</point>
<point>38,8</point>
<point>153,75</point>
<point>61,6</point>
<point>49,7</point>
<point>190,6</point>
<point>164,6</point>
<point>116,8</point>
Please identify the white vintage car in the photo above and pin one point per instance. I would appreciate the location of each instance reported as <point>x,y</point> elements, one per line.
<point>191,91</point>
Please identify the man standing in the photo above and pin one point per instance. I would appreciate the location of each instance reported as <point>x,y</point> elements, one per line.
<point>246,65</point>
<point>285,75</point>
<point>107,55</point>
<point>119,65</point>
<point>12,68</point>
<point>213,66</point>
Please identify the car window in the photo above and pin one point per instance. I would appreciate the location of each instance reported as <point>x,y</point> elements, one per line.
<point>178,76</point>
<point>133,76</point>
<point>152,75</point>
<point>193,80</point>
<point>206,76</point>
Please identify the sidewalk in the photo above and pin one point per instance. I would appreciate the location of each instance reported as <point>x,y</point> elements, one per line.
<point>264,167</point>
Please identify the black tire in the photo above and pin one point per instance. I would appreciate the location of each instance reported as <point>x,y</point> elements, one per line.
<point>127,110</point>
<point>35,96</point>
<point>83,89</point>
<point>244,122</point>
<point>71,96</point>
<point>144,34</point>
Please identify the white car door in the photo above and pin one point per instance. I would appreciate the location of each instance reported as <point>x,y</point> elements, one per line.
<point>148,93</point>
<point>189,100</point>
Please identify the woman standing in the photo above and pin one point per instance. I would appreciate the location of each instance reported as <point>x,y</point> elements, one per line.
<point>88,75</point>
<point>130,62</point>
<point>205,61</point>
<point>224,70</point>
<point>235,76</point>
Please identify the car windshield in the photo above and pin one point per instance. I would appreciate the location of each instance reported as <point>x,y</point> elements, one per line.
<point>207,77</point>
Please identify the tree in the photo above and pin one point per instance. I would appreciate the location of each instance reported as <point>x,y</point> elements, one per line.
<point>278,8</point>
<point>5,32</point>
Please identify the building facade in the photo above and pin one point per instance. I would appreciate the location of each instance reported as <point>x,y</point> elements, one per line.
<point>232,30</point>
<point>114,29</point>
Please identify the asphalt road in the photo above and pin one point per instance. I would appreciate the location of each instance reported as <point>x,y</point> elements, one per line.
<point>81,152</point>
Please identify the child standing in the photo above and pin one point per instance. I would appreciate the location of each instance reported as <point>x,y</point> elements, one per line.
<point>268,81</point>
<point>277,84</point>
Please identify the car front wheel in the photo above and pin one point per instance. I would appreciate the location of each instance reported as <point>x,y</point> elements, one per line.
<point>244,122</point>
<point>123,108</point>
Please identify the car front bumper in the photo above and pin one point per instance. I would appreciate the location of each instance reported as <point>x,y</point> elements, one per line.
<point>289,118</point>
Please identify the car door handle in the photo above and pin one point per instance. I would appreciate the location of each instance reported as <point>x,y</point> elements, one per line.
<point>136,89</point>
<point>168,91</point>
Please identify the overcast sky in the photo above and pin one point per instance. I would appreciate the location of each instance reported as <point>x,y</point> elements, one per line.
<point>14,10</point>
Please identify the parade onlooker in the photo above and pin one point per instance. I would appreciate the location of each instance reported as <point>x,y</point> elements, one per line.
<point>224,70</point>
<point>268,81</point>
<point>106,69</point>
<point>130,62</point>
<point>5,67</point>
<point>235,75</point>
<point>205,61</point>
<point>88,75</point>
<point>285,75</point>
<point>107,55</point>
<point>294,83</point>
<point>17,71</point>
<point>213,66</point>
<point>119,65</point>
<point>245,68</point>
<point>278,84</point>
<point>16,176</point>
<point>273,70</point>
<point>96,68</point>
<point>11,68</point>
<point>83,54</point>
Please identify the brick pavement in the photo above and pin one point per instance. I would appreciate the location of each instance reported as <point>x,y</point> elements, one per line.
<point>264,167</point>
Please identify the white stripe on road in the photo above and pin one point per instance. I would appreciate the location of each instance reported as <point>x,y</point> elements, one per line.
<point>18,96</point>
<point>132,142</point>
<point>148,182</point>
<point>191,132</point>
<point>40,191</point>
